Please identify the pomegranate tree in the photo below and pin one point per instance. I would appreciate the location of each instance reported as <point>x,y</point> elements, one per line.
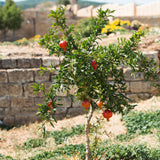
<point>89,66</point>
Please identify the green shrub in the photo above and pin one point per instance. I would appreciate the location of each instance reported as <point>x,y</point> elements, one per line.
<point>85,27</point>
<point>33,143</point>
<point>61,136</point>
<point>125,137</point>
<point>158,134</point>
<point>6,157</point>
<point>131,152</point>
<point>67,150</point>
<point>103,151</point>
<point>135,24</point>
<point>142,122</point>
<point>44,155</point>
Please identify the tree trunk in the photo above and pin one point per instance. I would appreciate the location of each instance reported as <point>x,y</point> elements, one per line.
<point>88,119</point>
<point>4,32</point>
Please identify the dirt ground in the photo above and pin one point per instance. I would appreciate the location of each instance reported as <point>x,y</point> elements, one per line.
<point>10,140</point>
<point>148,43</point>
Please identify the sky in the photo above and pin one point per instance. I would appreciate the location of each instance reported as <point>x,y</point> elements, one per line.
<point>115,1</point>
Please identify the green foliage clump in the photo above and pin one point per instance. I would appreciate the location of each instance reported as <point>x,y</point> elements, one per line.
<point>136,24</point>
<point>6,157</point>
<point>61,136</point>
<point>104,151</point>
<point>64,2</point>
<point>85,27</point>
<point>142,122</point>
<point>67,150</point>
<point>116,25</point>
<point>134,152</point>
<point>125,137</point>
<point>33,143</point>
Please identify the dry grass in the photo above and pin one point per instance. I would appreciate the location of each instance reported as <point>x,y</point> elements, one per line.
<point>12,140</point>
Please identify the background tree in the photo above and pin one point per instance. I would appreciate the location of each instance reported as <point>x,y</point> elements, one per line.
<point>64,2</point>
<point>10,17</point>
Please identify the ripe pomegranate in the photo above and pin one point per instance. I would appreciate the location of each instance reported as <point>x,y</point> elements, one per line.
<point>100,104</point>
<point>50,105</point>
<point>63,44</point>
<point>93,62</point>
<point>95,66</point>
<point>85,103</point>
<point>107,114</point>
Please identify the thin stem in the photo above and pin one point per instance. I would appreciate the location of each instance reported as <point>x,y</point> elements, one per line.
<point>88,119</point>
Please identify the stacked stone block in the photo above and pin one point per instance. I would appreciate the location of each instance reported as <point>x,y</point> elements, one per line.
<point>18,104</point>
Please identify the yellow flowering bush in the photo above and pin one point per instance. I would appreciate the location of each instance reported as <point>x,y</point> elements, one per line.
<point>116,25</point>
<point>25,41</point>
<point>37,37</point>
<point>144,27</point>
<point>116,22</point>
<point>121,25</point>
<point>110,28</point>
<point>125,23</point>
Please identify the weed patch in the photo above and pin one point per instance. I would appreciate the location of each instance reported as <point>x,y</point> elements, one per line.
<point>67,150</point>
<point>134,152</point>
<point>125,137</point>
<point>33,143</point>
<point>61,136</point>
<point>2,157</point>
<point>142,122</point>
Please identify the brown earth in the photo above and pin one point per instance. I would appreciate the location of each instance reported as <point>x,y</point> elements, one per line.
<point>148,43</point>
<point>12,140</point>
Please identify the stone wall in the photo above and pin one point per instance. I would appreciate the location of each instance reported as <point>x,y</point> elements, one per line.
<point>127,10</point>
<point>120,10</point>
<point>36,23</point>
<point>151,9</point>
<point>18,104</point>
<point>151,21</point>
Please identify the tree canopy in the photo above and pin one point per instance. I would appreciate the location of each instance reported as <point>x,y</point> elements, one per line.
<point>64,2</point>
<point>10,17</point>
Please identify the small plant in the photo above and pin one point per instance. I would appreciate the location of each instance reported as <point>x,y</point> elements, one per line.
<point>136,24</point>
<point>125,137</point>
<point>61,136</point>
<point>67,150</point>
<point>24,41</point>
<point>85,27</point>
<point>133,152</point>
<point>33,143</point>
<point>6,157</point>
<point>142,122</point>
<point>116,25</point>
